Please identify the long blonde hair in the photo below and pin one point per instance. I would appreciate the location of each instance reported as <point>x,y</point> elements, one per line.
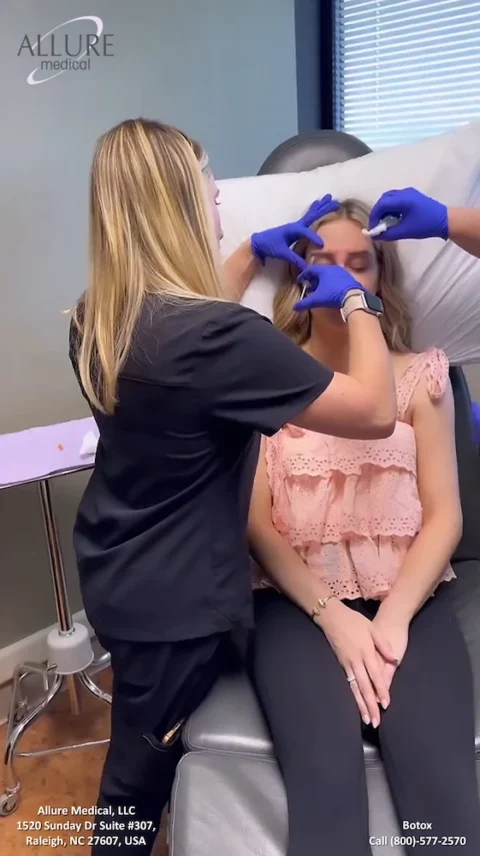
<point>151,232</point>
<point>396,319</point>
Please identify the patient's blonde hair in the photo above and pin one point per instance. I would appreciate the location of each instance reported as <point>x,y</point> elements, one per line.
<point>396,319</point>
<point>151,232</point>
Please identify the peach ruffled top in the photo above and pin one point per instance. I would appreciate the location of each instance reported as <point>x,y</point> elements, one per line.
<point>351,508</point>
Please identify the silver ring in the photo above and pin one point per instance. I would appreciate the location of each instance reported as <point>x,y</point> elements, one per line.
<point>352,680</point>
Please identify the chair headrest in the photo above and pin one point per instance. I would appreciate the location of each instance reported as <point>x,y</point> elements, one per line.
<point>311,150</point>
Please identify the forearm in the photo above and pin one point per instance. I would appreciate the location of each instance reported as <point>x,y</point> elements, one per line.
<point>423,567</point>
<point>464,229</point>
<point>370,363</point>
<point>239,270</point>
<point>285,568</point>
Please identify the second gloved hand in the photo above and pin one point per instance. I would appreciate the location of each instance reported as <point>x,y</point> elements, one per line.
<point>421,216</point>
<point>327,287</point>
<point>276,243</point>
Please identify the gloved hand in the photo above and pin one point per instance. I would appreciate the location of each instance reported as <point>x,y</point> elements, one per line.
<point>276,243</point>
<point>476,421</point>
<point>422,217</point>
<point>328,285</point>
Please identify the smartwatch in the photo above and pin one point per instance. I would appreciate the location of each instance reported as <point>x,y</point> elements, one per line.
<point>359,299</point>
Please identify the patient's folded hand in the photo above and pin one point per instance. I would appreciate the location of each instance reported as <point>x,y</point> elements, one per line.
<point>276,243</point>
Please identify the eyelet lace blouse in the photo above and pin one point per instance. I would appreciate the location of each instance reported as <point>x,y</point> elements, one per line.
<point>351,508</point>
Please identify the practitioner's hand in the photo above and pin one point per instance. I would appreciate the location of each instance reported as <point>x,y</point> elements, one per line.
<point>421,216</point>
<point>276,243</point>
<point>327,287</point>
<point>362,651</point>
<point>395,631</point>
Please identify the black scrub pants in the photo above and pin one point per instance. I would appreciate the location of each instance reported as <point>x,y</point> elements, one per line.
<point>426,735</point>
<point>156,686</point>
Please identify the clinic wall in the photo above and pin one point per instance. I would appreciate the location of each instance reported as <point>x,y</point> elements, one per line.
<point>222,70</point>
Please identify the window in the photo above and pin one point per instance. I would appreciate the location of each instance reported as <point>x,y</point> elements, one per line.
<point>405,69</point>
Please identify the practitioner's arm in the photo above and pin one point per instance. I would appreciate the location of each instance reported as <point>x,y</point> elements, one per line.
<point>464,229</point>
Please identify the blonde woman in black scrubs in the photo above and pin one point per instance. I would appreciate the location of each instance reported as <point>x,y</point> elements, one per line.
<point>182,381</point>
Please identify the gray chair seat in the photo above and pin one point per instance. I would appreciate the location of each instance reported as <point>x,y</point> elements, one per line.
<point>235,804</point>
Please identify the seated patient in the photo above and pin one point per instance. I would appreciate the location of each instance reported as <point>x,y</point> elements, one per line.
<point>353,617</point>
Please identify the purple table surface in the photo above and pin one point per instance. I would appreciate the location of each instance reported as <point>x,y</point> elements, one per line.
<point>40,453</point>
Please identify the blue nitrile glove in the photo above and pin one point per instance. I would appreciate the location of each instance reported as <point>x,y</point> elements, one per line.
<point>422,216</point>
<point>476,421</point>
<point>327,287</point>
<point>276,243</point>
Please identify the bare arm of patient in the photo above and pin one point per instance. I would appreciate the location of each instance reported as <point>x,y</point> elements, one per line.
<point>351,636</point>
<point>430,553</point>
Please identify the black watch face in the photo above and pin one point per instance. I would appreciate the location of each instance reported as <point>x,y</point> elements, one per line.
<point>373,302</point>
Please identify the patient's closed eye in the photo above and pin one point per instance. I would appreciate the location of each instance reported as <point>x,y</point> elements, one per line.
<point>360,261</point>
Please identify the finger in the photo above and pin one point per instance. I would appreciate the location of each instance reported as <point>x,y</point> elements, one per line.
<point>388,674</point>
<point>389,205</point>
<point>309,274</point>
<point>303,305</point>
<point>377,678</point>
<point>319,208</point>
<point>297,260</point>
<point>393,233</point>
<point>377,213</point>
<point>383,647</point>
<point>368,693</point>
<point>292,258</point>
<point>310,235</point>
<point>362,707</point>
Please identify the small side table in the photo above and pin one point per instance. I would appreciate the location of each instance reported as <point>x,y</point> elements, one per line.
<point>56,452</point>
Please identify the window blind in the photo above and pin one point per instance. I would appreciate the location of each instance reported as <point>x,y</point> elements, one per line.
<point>405,69</point>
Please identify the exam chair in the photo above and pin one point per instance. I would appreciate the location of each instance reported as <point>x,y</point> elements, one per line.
<point>228,797</point>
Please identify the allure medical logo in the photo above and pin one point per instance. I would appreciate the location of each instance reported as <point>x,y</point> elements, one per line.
<point>74,45</point>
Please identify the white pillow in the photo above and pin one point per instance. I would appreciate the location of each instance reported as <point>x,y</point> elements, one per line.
<point>443,282</point>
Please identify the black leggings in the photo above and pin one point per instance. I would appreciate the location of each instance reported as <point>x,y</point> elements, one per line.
<point>426,735</point>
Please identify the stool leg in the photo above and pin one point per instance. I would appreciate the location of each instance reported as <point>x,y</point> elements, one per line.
<point>75,701</point>
<point>9,799</point>
<point>92,688</point>
<point>55,556</point>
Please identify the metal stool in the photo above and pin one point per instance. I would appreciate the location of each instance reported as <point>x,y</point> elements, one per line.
<point>70,653</point>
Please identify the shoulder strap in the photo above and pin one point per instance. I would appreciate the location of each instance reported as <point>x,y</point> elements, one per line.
<point>432,363</point>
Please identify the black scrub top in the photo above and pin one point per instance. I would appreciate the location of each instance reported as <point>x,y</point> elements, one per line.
<point>160,536</point>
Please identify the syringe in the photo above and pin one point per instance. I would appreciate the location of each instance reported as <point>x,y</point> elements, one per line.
<point>384,224</point>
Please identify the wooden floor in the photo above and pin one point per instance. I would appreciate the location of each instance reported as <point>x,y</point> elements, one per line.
<point>62,780</point>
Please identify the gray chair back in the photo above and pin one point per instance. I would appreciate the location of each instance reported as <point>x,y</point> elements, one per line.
<point>322,148</point>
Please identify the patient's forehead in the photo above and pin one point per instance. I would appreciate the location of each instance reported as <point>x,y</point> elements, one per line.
<point>341,236</point>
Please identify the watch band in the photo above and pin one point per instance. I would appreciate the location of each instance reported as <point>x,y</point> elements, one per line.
<point>355,300</point>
